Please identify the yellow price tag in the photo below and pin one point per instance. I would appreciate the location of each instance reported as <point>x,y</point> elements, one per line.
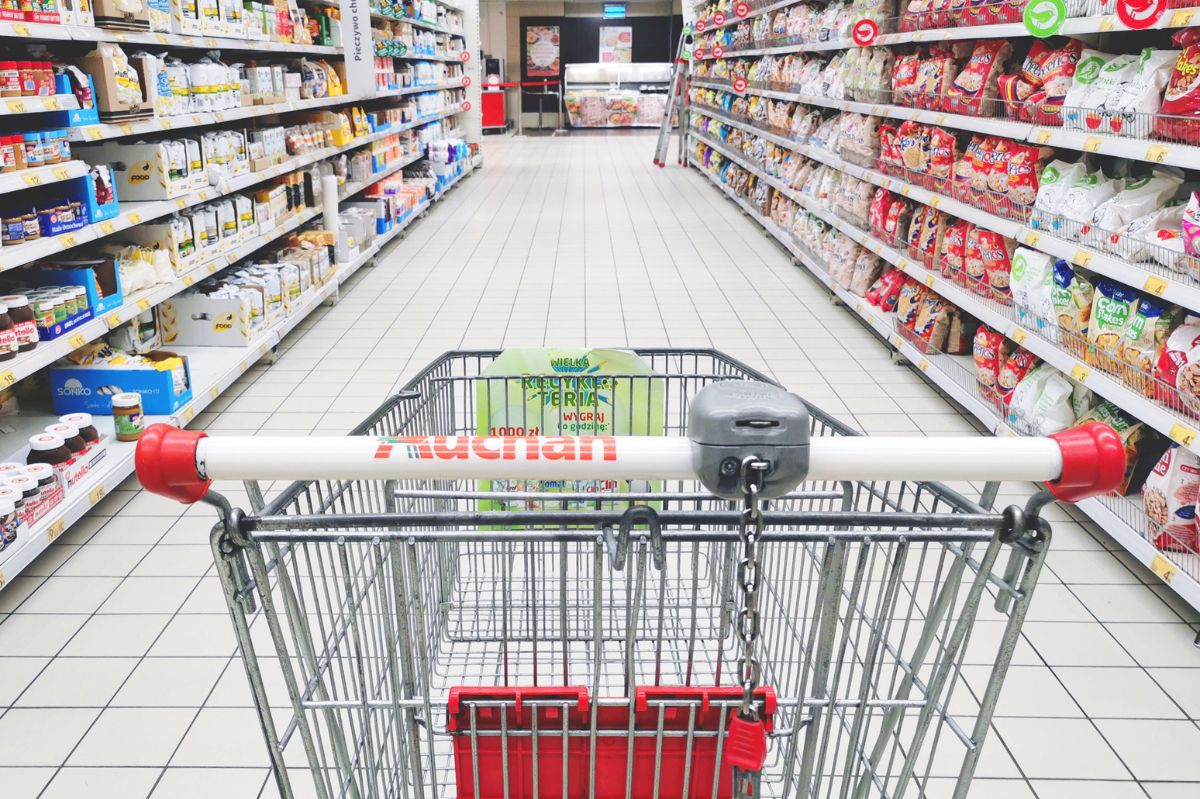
<point>935,201</point>
<point>1106,24</point>
<point>1018,334</point>
<point>108,228</point>
<point>204,194</point>
<point>1181,19</point>
<point>212,268</point>
<point>181,202</point>
<point>7,378</point>
<point>188,413</point>
<point>16,107</point>
<point>929,280</point>
<point>197,119</point>
<point>67,241</point>
<point>165,124</point>
<point>1079,373</point>
<point>32,180</point>
<point>904,190</point>
<point>923,365</point>
<point>51,103</point>
<point>134,218</point>
<point>244,366</point>
<point>1155,285</point>
<point>940,119</point>
<point>188,280</point>
<point>126,128</point>
<point>213,392</point>
<point>1091,144</point>
<point>92,133</point>
<point>1042,136</point>
<point>1157,153</point>
<point>1031,238</point>
<point>896,342</point>
<point>62,173</point>
<point>96,494</point>
<point>1182,434</point>
<point>144,304</point>
<point>20,30</point>
<point>1165,569</point>
<point>113,321</point>
<point>1082,258</point>
<point>76,341</point>
<point>162,39</point>
<point>56,529</point>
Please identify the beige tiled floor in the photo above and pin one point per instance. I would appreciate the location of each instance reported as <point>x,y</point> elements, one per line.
<point>117,676</point>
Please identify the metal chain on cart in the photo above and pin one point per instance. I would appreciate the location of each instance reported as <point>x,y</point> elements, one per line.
<point>747,737</point>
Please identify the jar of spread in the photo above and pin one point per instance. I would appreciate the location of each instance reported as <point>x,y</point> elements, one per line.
<point>34,154</point>
<point>13,230</point>
<point>28,77</point>
<point>43,311</point>
<point>8,155</point>
<point>127,415</point>
<point>30,508</point>
<point>48,448</point>
<point>83,423</point>
<point>81,299</point>
<point>45,78</point>
<point>11,468</point>
<point>8,523</point>
<point>49,490</point>
<point>8,494</point>
<point>70,436</point>
<point>33,230</point>
<point>70,302</point>
<point>51,153</point>
<point>10,79</point>
<point>8,335</point>
<point>22,316</point>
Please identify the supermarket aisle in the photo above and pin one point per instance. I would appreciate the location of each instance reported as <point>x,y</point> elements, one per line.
<point>115,648</point>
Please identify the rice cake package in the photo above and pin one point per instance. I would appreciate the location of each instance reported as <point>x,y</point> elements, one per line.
<point>1169,499</point>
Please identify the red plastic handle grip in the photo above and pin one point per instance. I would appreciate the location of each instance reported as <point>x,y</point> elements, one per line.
<point>165,460</point>
<point>1093,462</point>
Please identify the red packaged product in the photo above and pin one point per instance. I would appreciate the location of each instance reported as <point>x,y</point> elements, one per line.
<point>939,13</point>
<point>1015,367</point>
<point>1008,88</point>
<point>954,247</point>
<point>912,141</point>
<point>877,214</point>
<point>913,233</point>
<point>904,78</point>
<point>964,167</point>
<point>973,271</point>
<point>896,222</point>
<point>974,91</point>
<point>886,290</point>
<point>889,154</point>
<point>1057,73</point>
<point>990,352</point>
<point>1024,166</point>
<point>995,251</point>
<point>1182,99</point>
<point>942,152</point>
<point>1032,68</point>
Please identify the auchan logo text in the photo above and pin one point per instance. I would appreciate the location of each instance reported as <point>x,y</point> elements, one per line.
<point>493,448</point>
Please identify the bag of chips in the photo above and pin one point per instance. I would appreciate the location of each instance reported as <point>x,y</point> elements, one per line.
<point>990,351</point>
<point>1113,311</point>
<point>974,91</point>
<point>1071,295</point>
<point>1169,499</point>
<point>1178,367</point>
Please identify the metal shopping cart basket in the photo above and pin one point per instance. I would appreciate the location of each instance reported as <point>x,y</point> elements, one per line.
<point>772,605</point>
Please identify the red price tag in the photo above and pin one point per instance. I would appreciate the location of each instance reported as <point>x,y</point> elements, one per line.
<point>864,32</point>
<point>466,81</point>
<point>742,9</point>
<point>464,56</point>
<point>739,85</point>
<point>1140,14</point>
<point>718,51</point>
<point>701,26</point>
<point>466,106</point>
<point>719,18</point>
<point>699,53</point>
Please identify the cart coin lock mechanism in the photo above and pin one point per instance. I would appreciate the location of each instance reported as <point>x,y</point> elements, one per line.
<point>785,609</point>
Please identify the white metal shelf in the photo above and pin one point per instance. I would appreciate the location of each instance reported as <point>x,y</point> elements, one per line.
<point>89,33</point>
<point>40,105</point>
<point>41,176</point>
<point>1101,510</point>
<point>418,23</point>
<point>213,370</point>
<point>732,19</point>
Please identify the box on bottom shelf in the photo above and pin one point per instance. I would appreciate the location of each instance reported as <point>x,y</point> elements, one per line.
<point>163,379</point>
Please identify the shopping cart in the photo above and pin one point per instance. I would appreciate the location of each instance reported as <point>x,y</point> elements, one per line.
<point>772,605</point>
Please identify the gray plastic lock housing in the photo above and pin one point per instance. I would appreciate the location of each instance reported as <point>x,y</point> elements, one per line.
<point>732,420</point>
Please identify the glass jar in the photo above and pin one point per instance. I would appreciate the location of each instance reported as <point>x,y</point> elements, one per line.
<point>10,79</point>
<point>70,436</point>
<point>127,416</point>
<point>83,423</point>
<point>47,448</point>
<point>8,335</point>
<point>22,316</point>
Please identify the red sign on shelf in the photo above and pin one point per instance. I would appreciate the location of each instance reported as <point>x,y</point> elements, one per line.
<point>464,56</point>
<point>698,53</point>
<point>466,106</point>
<point>466,81</point>
<point>719,18</point>
<point>864,32</point>
<point>1140,14</point>
<point>718,51</point>
<point>701,26</point>
<point>742,9</point>
<point>739,85</point>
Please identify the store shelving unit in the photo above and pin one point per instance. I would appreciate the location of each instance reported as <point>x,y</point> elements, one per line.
<point>1121,517</point>
<point>213,369</point>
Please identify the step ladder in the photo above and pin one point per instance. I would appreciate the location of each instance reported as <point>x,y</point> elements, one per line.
<point>676,101</point>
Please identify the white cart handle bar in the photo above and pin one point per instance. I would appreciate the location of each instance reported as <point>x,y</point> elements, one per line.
<point>181,464</point>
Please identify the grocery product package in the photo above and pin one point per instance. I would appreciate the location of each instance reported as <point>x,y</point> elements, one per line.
<point>567,392</point>
<point>1132,435</point>
<point>1169,499</point>
<point>1071,294</point>
<point>1177,372</point>
<point>1180,109</point>
<point>1113,311</point>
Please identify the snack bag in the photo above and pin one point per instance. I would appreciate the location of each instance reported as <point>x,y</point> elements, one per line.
<point>942,154</point>
<point>1022,403</point>
<point>1180,108</point>
<point>1113,311</point>
<point>973,266</point>
<point>880,203</point>
<point>912,139</point>
<point>990,352</point>
<point>974,91</point>
<point>933,319</point>
<point>1057,72</point>
<point>1140,94</point>
<point>1178,367</point>
<point>1139,197</point>
<point>885,292</point>
<point>1130,430</point>
<point>1024,165</point>
<point>1189,226</point>
<point>1086,75</point>
<point>1081,198</point>
<point>1015,367</point>
<point>904,78</point>
<point>954,248</point>
<point>1169,499</point>
<point>1056,177</point>
<point>1143,340</point>
<point>1053,412</point>
<point>908,304</point>
<point>1071,295</point>
<point>1031,276</point>
<point>866,271</point>
<point>996,252</point>
<point>899,213</point>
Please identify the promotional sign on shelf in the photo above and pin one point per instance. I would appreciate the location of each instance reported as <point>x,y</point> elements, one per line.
<point>1043,18</point>
<point>464,56</point>
<point>718,51</point>
<point>719,18</point>
<point>864,32</point>
<point>701,26</point>
<point>466,81</point>
<point>739,85</point>
<point>742,9</point>
<point>466,106</point>
<point>1140,14</point>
